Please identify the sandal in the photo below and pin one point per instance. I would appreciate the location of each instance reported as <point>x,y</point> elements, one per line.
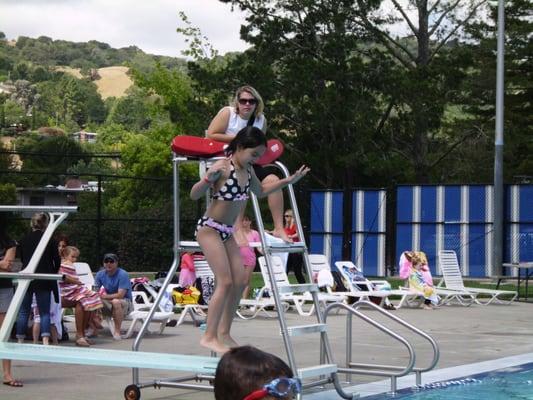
<point>82,342</point>
<point>13,383</point>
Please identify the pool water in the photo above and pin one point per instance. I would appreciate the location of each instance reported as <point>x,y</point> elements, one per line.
<point>503,384</point>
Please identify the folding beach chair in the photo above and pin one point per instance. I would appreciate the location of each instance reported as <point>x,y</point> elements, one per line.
<point>453,280</point>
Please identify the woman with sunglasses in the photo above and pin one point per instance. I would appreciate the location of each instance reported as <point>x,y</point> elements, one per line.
<point>246,109</point>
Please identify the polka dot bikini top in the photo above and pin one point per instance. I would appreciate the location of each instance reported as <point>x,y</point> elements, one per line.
<point>231,191</point>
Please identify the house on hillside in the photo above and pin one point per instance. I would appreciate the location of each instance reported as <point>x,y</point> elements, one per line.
<point>6,88</point>
<point>51,195</point>
<point>84,137</point>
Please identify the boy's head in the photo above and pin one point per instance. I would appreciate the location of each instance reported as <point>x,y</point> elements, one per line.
<point>245,370</point>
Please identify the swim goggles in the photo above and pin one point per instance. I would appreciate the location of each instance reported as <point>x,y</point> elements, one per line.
<point>278,388</point>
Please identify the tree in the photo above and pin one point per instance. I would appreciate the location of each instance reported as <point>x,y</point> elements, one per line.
<point>518,101</point>
<point>70,99</point>
<point>14,114</point>
<point>323,87</point>
<point>132,111</point>
<point>174,94</point>
<point>343,50</point>
<point>54,155</point>
<point>142,156</point>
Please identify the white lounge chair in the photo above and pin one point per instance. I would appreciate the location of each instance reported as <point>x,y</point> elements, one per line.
<point>85,273</point>
<point>141,307</point>
<point>294,298</point>
<point>250,308</point>
<point>354,288</point>
<point>195,311</point>
<point>453,280</point>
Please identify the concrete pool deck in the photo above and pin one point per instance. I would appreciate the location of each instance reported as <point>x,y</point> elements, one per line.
<point>465,335</point>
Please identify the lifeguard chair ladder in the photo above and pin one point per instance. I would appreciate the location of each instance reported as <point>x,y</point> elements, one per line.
<point>325,371</point>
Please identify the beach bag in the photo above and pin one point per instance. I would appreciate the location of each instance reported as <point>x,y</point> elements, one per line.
<point>207,285</point>
<point>339,283</point>
<point>188,295</point>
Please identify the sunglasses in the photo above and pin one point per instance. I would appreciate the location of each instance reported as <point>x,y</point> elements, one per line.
<point>242,102</point>
<point>278,388</point>
<point>109,260</point>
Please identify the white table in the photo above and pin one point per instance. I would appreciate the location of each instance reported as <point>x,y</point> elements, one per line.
<point>525,266</point>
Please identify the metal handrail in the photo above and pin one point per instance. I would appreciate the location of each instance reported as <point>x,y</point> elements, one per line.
<point>54,209</point>
<point>382,370</point>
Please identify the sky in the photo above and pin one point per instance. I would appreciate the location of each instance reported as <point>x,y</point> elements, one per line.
<point>150,25</point>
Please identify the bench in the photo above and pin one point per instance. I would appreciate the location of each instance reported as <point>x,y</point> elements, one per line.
<point>109,358</point>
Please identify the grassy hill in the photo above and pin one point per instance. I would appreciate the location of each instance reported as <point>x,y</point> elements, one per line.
<point>112,81</point>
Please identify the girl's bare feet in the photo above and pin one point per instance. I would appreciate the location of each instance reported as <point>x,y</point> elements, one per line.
<point>228,341</point>
<point>214,345</point>
<point>280,233</point>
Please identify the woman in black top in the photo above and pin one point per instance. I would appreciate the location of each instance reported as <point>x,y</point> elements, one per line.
<point>7,255</point>
<point>48,264</point>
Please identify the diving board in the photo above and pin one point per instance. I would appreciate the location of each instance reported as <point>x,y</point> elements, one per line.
<point>109,358</point>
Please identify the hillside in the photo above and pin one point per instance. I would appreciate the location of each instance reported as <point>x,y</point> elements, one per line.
<point>113,81</point>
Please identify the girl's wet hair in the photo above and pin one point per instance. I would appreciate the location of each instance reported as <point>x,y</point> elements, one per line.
<point>245,369</point>
<point>247,138</point>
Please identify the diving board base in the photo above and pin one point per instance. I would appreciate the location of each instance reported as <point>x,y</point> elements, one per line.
<point>109,358</point>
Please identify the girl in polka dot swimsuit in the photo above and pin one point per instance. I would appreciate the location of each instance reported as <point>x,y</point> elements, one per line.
<point>232,179</point>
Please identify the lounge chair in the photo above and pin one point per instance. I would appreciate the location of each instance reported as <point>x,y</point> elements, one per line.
<point>295,298</point>
<point>452,279</point>
<point>195,311</point>
<point>85,274</point>
<point>355,288</point>
<point>141,308</point>
<point>250,308</point>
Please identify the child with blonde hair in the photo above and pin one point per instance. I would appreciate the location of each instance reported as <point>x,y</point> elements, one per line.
<point>75,294</point>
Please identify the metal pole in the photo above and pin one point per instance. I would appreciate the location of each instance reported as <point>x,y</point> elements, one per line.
<point>498,147</point>
<point>99,219</point>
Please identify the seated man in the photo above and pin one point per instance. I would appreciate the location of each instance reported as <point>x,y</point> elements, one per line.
<point>116,293</point>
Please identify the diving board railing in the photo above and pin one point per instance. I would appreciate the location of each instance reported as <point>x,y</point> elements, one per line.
<point>57,214</point>
<point>392,371</point>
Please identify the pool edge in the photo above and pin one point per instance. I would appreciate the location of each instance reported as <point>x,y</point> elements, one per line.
<point>444,374</point>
